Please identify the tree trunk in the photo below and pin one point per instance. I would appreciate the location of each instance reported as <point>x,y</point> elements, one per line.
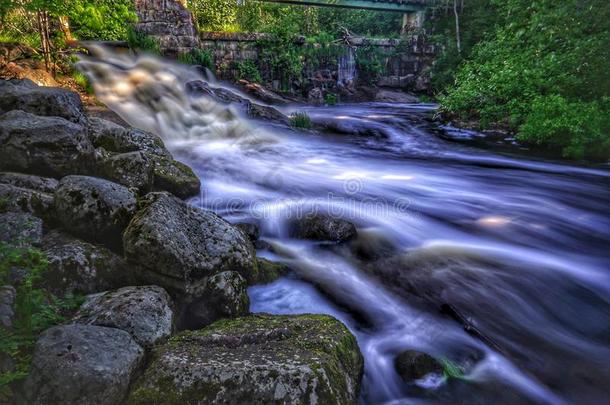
<point>64,23</point>
<point>457,27</point>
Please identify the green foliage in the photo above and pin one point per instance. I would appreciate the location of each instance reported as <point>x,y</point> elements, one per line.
<point>215,15</point>
<point>330,99</point>
<point>101,19</point>
<point>35,310</point>
<point>300,120</point>
<point>542,71</point>
<point>140,41</point>
<point>82,81</point>
<point>369,63</point>
<point>247,70</point>
<point>199,57</point>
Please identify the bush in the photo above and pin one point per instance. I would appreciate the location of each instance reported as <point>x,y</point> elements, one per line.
<point>199,57</point>
<point>82,81</point>
<point>140,41</point>
<point>330,99</point>
<point>35,311</point>
<point>577,129</point>
<point>300,120</point>
<point>247,70</point>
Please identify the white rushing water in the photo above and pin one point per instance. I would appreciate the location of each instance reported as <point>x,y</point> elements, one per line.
<point>519,246</point>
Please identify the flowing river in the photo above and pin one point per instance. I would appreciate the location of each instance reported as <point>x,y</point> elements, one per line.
<point>498,264</point>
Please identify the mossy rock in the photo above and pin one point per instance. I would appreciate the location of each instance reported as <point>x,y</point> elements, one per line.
<point>258,359</point>
<point>269,271</point>
<point>175,177</point>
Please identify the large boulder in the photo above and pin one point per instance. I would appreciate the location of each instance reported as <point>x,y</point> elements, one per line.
<point>45,101</point>
<point>412,365</point>
<point>323,227</point>
<point>225,295</point>
<point>79,267</point>
<point>133,170</point>
<point>49,146</point>
<point>20,229</point>
<point>259,359</point>
<point>13,198</point>
<point>82,364</point>
<point>175,177</point>
<point>94,209</point>
<point>37,183</point>
<point>116,138</point>
<point>144,312</point>
<point>183,244</point>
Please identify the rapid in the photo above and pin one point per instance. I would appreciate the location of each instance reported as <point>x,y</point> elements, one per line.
<point>497,263</point>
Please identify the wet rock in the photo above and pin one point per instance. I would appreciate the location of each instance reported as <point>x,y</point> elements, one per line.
<point>412,365</point>
<point>8,294</point>
<point>144,312</point>
<point>82,364</point>
<point>225,295</point>
<point>259,359</point>
<point>269,271</point>
<point>13,198</point>
<point>265,112</point>
<point>133,170</point>
<point>48,146</point>
<point>94,209</point>
<point>394,96</point>
<point>43,101</point>
<point>79,267</point>
<point>178,245</point>
<point>263,94</point>
<point>37,183</point>
<point>323,227</point>
<point>175,177</point>
<point>116,138</point>
<point>20,229</point>
<point>250,230</point>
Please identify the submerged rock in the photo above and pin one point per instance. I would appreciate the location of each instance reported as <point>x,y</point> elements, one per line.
<point>82,364</point>
<point>20,229</point>
<point>45,101</point>
<point>269,271</point>
<point>169,238</point>
<point>94,209</point>
<point>80,267</point>
<point>323,227</point>
<point>49,146</point>
<point>259,359</point>
<point>225,296</point>
<point>412,365</point>
<point>144,312</point>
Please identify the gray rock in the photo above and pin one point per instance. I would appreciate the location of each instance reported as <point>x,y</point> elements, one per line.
<point>8,294</point>
<point>269,271</point>
<point>13,198</point>
<point>395,96</point>
<point>37,183</point>
<point>175,177</point>
<point>48,146</point>
<point>44,101</point>
<point>183,244</point>
<point>412,365</point>
<point>80,267</point>
<point>250,230</point>
<point>144,312</point>
<point>225,296</point>
<point>116,138</point>
<point>133,170</point>
<point>20,229</point>
<point>82,364</point>
<point>94,209</point>
<point>323,227</point>
<point>259,359</point>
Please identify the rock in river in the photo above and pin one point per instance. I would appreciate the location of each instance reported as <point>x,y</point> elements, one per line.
<point>412,365</point>
<point>145,312</point>
<point>259,359</point>
<point>82,364</point>
<point>94,209</point>
<point>323,227</point>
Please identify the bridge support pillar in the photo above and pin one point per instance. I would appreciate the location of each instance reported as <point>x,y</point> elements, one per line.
<point>412,21</point>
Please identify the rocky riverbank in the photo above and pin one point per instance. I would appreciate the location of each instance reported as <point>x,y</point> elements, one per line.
<point>166,318</point>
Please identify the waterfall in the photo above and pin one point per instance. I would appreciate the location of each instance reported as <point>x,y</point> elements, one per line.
<point>347,68</point>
